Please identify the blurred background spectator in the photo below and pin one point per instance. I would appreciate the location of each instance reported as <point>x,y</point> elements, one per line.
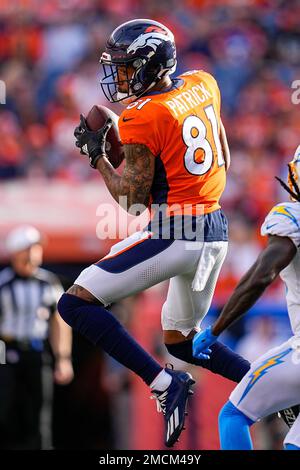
<point>49,53</point>
<point>28,298</point>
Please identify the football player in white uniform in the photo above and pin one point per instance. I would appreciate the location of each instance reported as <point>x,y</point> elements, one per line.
<point>273,382</point>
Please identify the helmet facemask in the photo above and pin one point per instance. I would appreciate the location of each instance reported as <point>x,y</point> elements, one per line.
<point>118,74</point>
<point>135,79</point>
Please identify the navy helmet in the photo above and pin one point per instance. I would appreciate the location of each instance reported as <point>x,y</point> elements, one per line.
<point>147,47</point>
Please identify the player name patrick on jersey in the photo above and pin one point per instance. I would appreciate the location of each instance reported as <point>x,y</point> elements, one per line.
<point>188,99</point>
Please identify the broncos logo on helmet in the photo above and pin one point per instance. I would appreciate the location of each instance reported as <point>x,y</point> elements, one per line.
<point>152,40</point>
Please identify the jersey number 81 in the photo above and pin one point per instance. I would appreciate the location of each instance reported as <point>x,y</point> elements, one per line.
<point>194,136</point>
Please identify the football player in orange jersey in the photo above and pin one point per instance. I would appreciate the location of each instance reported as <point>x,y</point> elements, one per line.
<point>176,158</point>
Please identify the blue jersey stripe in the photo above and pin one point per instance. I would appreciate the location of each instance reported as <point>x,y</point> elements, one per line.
<point>135,255</point>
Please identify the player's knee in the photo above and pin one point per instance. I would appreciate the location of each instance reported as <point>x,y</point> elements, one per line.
<point>82,293</point>
<point>226,413</point>
<point>229,412</point>
<point>178,336</point>
<point>67,306</point>
<point>174,337</point>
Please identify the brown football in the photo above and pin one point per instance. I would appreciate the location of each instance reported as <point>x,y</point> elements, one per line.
<point>96,119</point>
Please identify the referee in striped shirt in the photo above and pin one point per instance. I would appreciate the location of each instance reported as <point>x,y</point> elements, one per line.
<point>28,297</point>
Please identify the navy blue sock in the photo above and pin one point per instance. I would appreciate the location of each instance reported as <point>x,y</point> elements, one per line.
<point>99,326</point>
<point>223,360</point>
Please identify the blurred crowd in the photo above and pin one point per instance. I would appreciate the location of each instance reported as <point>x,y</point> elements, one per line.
<point>49,56</point>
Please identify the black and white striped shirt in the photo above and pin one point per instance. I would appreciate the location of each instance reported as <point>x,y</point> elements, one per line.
<point>26,304</point>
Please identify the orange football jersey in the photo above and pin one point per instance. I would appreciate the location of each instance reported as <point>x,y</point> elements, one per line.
<point>181,127</point>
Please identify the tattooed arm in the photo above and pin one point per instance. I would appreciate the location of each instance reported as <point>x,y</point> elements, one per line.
<point>136,181</point>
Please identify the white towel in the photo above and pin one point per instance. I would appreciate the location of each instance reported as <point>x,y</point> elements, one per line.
<point>210,254</point>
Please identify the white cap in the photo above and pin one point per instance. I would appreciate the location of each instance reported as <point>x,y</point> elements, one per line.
<point>22,237</point>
